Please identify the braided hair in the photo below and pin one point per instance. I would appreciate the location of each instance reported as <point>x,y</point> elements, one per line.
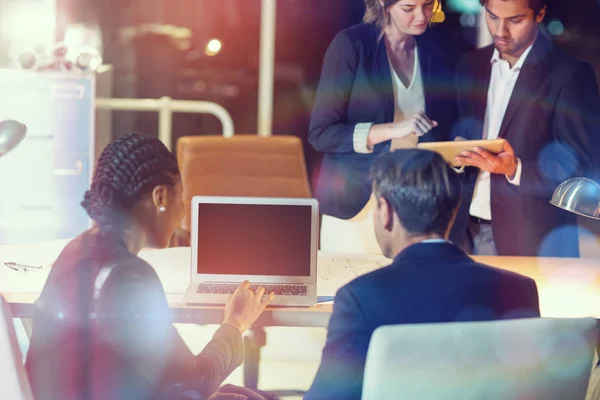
<point>126,169</point>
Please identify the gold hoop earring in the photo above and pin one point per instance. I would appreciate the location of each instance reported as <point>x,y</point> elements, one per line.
<point>438,15</point>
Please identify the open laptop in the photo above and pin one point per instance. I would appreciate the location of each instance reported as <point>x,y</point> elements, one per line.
<point>271,242</point>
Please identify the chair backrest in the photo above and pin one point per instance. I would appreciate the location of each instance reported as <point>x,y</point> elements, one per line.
<point>512,359</point>
<point>14,383</point>
<point>593,392</point>
<point>243,165</point>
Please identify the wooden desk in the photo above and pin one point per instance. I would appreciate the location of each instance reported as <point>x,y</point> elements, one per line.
<point>567,287</point>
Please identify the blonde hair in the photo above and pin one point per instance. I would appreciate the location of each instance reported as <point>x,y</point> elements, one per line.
<point>376,12</point>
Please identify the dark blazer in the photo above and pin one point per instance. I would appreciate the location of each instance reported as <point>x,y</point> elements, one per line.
<point>102,330</point>
<point>553,124</point>
<point>356,86</point>
<point>426,283</point>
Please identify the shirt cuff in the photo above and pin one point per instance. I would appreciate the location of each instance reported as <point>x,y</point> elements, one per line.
<point>517,179</point>
<point>359,139</point>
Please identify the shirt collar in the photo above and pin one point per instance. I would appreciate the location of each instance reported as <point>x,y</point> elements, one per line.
<point>435,241</point>
<point>520,61</point>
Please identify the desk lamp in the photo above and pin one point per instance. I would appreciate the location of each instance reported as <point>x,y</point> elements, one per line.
<point>11,134</point>
<point>580,196</point>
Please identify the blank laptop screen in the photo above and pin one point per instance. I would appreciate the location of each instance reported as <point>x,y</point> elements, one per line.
<point>254,239</point>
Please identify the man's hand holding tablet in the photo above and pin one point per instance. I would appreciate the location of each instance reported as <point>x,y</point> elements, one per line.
<point>503,162</point>
<point>494,156</point>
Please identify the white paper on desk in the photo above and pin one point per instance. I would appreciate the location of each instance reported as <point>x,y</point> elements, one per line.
<point>37,254</point>
<point>17,282</point>
<point>334,271</point>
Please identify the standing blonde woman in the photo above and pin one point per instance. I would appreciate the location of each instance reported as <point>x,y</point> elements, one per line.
<point>382,87</point>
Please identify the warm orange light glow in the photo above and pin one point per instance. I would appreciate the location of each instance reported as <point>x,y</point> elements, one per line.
<point>213,47</point>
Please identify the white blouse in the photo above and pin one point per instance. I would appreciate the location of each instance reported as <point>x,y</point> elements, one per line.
<point>409,100</point>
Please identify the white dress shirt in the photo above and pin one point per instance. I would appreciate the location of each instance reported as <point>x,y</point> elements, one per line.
<point>502,83</point>
<point>409,100</point>
<point>436,241</point>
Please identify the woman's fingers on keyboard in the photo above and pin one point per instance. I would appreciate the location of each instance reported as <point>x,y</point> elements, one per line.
<point>259,292</point>
<point>267,299</point>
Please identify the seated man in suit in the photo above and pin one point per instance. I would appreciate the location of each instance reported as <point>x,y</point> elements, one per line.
<point>430,279</point>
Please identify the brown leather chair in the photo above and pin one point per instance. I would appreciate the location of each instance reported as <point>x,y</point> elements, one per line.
<point>243,165</point>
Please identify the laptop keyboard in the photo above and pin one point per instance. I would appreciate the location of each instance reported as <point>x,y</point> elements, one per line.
<point>229,288</point>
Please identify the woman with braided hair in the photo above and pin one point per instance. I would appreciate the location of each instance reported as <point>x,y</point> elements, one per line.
<point>102,328</point>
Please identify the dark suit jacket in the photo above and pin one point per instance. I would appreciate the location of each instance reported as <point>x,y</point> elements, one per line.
<point>112,337</point>
<point>356,86</point>
<point>426,283</point>
<point>553,124</point>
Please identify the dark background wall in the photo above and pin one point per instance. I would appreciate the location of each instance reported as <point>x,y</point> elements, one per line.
<point>154,65</point>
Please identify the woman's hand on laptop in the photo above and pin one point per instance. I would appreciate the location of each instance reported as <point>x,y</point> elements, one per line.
<point>245,306</point>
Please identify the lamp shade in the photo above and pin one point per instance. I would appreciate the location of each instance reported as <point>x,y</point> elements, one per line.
<point>11,134</point>
<point>580,196</point>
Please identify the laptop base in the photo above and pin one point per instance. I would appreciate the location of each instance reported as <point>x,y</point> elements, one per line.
<point>192,297</point>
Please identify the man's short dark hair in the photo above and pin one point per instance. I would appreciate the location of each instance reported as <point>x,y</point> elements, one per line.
<point>420,187</point>
<point>535,5</point>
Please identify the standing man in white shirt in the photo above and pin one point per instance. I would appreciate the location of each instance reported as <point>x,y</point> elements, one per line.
<point>545,103</point>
